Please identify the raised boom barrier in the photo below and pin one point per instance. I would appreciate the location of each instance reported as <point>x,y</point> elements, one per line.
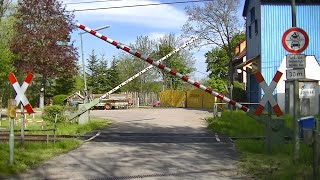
<point>97,100</point>
<point>163,67</point>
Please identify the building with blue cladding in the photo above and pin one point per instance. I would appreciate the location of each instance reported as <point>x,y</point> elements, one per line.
<point>266,21</point>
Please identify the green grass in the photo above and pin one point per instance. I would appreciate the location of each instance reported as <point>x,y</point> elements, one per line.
<point>237,124</point>
<point>32,154</point>
<point>65,128</point>
<point>254,158</point>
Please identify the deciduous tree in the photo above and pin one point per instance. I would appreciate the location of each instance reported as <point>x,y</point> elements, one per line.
<point>42,31</point>
<point>216,23</point>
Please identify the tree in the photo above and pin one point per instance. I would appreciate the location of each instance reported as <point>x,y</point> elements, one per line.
<point>6,56</point>
<point>98,75</point>
<point>216,23</point>
<point>113,74</point>
<point>64,85</point>
<point>4,7</point>
<point>42,30</point>
<point>181,61</point>
<point>217,63</point>
<point>128,65</point>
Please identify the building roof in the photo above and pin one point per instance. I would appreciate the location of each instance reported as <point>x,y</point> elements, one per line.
<point>279,2</point>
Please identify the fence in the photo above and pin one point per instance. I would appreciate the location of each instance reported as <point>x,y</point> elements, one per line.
<point>192,99</point>
<point>144,98</point>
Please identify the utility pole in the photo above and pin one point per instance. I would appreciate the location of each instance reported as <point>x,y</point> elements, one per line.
<point>86,100</point>
<point>296,102</point>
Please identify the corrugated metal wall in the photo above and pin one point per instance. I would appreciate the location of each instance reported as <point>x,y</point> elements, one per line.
<point>275,20</point>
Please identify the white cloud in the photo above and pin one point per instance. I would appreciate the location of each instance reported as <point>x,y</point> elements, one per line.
<point>163,16</point>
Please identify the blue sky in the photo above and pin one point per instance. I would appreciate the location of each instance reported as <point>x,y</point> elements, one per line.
<point>128,23</point>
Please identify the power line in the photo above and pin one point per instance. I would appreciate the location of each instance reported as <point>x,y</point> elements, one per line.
<point>90,2</point>
<point>141,5</point>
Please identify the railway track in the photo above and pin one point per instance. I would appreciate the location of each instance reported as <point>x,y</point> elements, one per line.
<point>4,136</point>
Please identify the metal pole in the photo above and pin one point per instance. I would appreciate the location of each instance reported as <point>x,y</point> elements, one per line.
<point>294,14</point>
<point>296,102</point>
<point>315,154</point>
<point>22,124</point>
<point>11,141</point>
<point>86,100</point>
<point>269,129</point>
<point>84,72</point>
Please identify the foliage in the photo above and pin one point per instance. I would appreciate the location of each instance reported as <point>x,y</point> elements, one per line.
<point>4,7</point>
<point>79,84</point>
<point>59,99</point>
<point>239,92</point>
<point>99,79</point>
<point>7,22</point>
<point>217,59</point>
<point>50,112</point>
<point>181,62</point>
<point>215,22</point>
<point>127,65</point>
<point>42,32</point>
<point>216,84</point>
<point>113,74</point>
<point>65,84</point>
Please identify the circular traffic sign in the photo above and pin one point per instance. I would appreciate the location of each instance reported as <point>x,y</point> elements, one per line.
<point>295,40</point>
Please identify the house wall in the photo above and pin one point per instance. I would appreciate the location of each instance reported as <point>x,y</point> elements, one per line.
<point>275,20</point>
<point>253,42</point>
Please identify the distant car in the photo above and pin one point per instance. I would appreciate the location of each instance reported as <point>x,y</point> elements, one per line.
<point>156,104</point>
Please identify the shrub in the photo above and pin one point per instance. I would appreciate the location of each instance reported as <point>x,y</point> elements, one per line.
<point>59,99</point>
<point>50,112</point>
<point>239,92</point>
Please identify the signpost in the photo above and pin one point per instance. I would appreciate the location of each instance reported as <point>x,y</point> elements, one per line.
<point>295,40</point>
<point>272,103</point>
<point>12,114</point>
<point>20,97</point>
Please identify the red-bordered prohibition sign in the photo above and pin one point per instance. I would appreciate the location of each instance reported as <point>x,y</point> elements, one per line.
<point>295,40</point>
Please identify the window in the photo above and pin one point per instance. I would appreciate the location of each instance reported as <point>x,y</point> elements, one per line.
<point>256,26</point>
<point>249,29</point>
<point>252,14</point>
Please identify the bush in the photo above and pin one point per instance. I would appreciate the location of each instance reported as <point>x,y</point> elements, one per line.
<point>59,99</point>
<point>239,92</point>
<point>50,112</point>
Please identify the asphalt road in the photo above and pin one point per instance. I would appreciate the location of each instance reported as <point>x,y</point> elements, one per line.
<point>147,144</point>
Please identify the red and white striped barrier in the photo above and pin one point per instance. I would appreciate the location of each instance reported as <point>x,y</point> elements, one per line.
<point>268,93</point>
<point>147,69</point>
<point>161,66</point>
<point>20,97</point>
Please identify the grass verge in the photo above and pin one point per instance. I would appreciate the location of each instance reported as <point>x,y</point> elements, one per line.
<point>33,153</point>
<point>254,158</point>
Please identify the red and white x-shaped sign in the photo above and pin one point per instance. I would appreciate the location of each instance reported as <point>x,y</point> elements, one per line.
<point>268,93</point>
<point>20,97</point>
